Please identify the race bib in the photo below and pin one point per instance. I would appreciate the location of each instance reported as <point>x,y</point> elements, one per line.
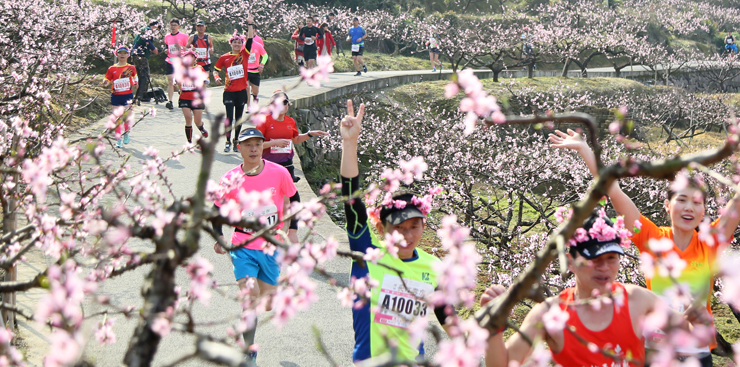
<point>122,85</point>
<point>235,72</point>
<point>201,53</point>
<point>187,87</point>
<point>270,213</point>
<point>173,48</point>
<point>309,42</point>
<point>282,150</point>
<point>355,48</point>
<point>252,58</point>
<point>397,306</point>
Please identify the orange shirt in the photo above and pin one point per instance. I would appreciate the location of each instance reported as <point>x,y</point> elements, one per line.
<point>236,70</point>
<point>273,129</point>
<point>619,337</point>
<point>122,79</point>
<point>699,256</point>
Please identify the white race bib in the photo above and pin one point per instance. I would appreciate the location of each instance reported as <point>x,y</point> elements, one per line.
<point>235,72</point>
<point>270,213</point>
<point>309,42</point>
<point>252,58</point>
<point>356,48</point>
<point>396,306</point>
<point>201,53</point>
<point>279,150</point>
<point>122,85</point>
<point>187,87</point>
<point>173,48</point>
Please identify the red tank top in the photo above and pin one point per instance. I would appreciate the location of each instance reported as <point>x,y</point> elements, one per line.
<point>619,337</point>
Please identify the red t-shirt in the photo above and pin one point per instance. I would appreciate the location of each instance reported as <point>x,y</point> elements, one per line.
<point>188,90</point>
<point>273,129</point>
<point>122,79</point>
<point>236,70</point>
<point>202,50</point>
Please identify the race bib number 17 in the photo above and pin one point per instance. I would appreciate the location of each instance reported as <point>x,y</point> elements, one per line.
<point>398,307</point>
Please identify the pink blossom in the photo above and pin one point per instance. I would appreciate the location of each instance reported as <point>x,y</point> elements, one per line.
<point>680,182</point>
<point>104,333</point>
<point>346,297</point>
<point>65,349</point>
<point>454,353</point>
<point>647,266</point>
<point>555,319</point>
<point>660,245</point>
<point>373,254</point>
<point>602,231</point>
<point>581,235</point>
<point>671,265</point>
<point>451,89</point>
<point>199,269</point>
<point>162,326</point>
<point>393,241</point>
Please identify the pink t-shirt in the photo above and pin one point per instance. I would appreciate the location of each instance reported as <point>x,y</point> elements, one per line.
<point>174,39</point>
<point>258,39</point>
<point>273,177</point>
<point>255,56</point>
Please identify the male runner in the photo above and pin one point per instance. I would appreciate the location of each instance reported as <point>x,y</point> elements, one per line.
<point>257,59</point>
<point>141,52</point>
<point>730,45</point>
<point>202,45</point>
<point>309,34</point>
<point>235,94</point>
<point>122,79</point>
<point>377,320</point>
<point>616,328</point>
<point>257,38</point>
<point>357,35</point>
<point>250,261</point>
<point>175,41</point>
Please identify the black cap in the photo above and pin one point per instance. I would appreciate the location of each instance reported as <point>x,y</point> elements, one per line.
<point>200,22</point>
<point>594,248</point>
<point>249,133</point>
<point>397,216</point>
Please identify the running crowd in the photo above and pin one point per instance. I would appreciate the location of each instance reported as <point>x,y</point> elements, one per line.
<point>615,333</point>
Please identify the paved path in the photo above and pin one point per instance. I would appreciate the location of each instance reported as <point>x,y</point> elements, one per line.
<point>292,346</point>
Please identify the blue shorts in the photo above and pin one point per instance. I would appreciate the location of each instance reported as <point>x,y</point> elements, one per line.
<point>121,99</point>
<point>255,264</point>
<point>732,47</point>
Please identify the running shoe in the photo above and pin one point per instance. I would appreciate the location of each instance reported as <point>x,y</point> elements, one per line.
<point>169,105</point>
<point>358,74</point>
<point>236,146</point>
<point>119,143</point>
<point>228,147</point>
<point>203,132</point>
<point>256,99</point>
<point>364,67</point>
<point>434,69</point>
<point>126,138</point>
<point>251,357</point>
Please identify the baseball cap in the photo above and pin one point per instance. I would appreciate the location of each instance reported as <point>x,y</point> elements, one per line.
<point>200,22</point>
<point>396,216</point>
<point>122,48</point>
<point>593,248</point>
<point>251,132</point>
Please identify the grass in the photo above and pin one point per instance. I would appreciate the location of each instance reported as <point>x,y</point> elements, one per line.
<point>381,62</point>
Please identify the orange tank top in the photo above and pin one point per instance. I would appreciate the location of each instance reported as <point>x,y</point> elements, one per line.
<point>619,337</point>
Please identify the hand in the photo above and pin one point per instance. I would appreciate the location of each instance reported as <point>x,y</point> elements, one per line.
<point>281,143</point>
<point>571,140</point>
<point>491,293</point>
<point>351,124</point>
<point>217,81</point>
<point>250,19</point>
<point>318,133</point>
<point>697,314</point>
<point>348,39</point>
<point>218,249</point>
<point>261,67</point>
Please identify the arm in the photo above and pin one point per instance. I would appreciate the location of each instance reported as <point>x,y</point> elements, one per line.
<point>281,143</point>
<point>350,128</point>
<point>730,218</point>
<point>293,227</point>
<point>190,40</point>
<point>621,202</point>
<point>152,48</point>
<point>303,137</point>
<point>295,35</point>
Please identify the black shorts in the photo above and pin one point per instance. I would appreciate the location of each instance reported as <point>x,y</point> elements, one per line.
<point>358,53</point>
<point>238,98</point>
<point>188,103</point>
<point>168,69</point>
<point>435,51</point>
<point>206,67</point>
<point>309,53</point>
<point>253,78</point>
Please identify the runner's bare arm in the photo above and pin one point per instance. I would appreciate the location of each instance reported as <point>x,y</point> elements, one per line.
<point>350,128</point>
<point>280,143</point>
<point>621,202</point>
<point>730,219</point>
<point>313,133</point>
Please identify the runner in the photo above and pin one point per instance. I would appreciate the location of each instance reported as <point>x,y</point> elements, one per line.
<point>122,77</point>
<point>175,41</point>
<point>257,38</point>
<point>280,133</point>
<point>140,54</point>
<point>596,266</point>
<point>251,263</point>
<point>685,208</point>
<point>434,50</point>
<point>299,44</point>
<point>191,109</point>
<point>325,44</point>
<point>730,45</point>
<point>235,86</point>
<point>257,59</point>
<point>374,321</point>
<point>357,35</point>
<point>203,46</point>
<point>309,34</point>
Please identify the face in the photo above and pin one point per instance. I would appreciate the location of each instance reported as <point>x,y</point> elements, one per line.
<point>236,45</point>
<point>122,56</point>
<point>174,27</point>
<point>355,23</point>
<point>686,209</point>
<point>251,150</point>
<point>410,229</point>
<point>309,21</point>
<point>598,273</point>
<point>331,18</point>
<point>200,28</point>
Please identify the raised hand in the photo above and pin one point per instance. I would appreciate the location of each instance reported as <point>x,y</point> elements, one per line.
<point>351,124</point>
<point>491,293</point>
<point>571,140</point>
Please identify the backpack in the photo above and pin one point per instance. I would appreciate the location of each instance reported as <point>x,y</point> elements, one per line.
<point>205,38</point>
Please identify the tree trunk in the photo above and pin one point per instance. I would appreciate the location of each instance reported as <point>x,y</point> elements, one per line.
<point>530,70</point>
<point>565,68</point>
<point>495,74</point>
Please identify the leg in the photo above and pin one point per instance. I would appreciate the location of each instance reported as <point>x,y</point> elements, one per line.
<point>229,122</point>
<point>198,116</point>
<point>255,92</point>
<point>188,113</point>
<point>170,86</point>
<point>239,111</point>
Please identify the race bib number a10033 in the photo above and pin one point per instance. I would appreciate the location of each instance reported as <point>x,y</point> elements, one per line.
<point>399,305</point>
